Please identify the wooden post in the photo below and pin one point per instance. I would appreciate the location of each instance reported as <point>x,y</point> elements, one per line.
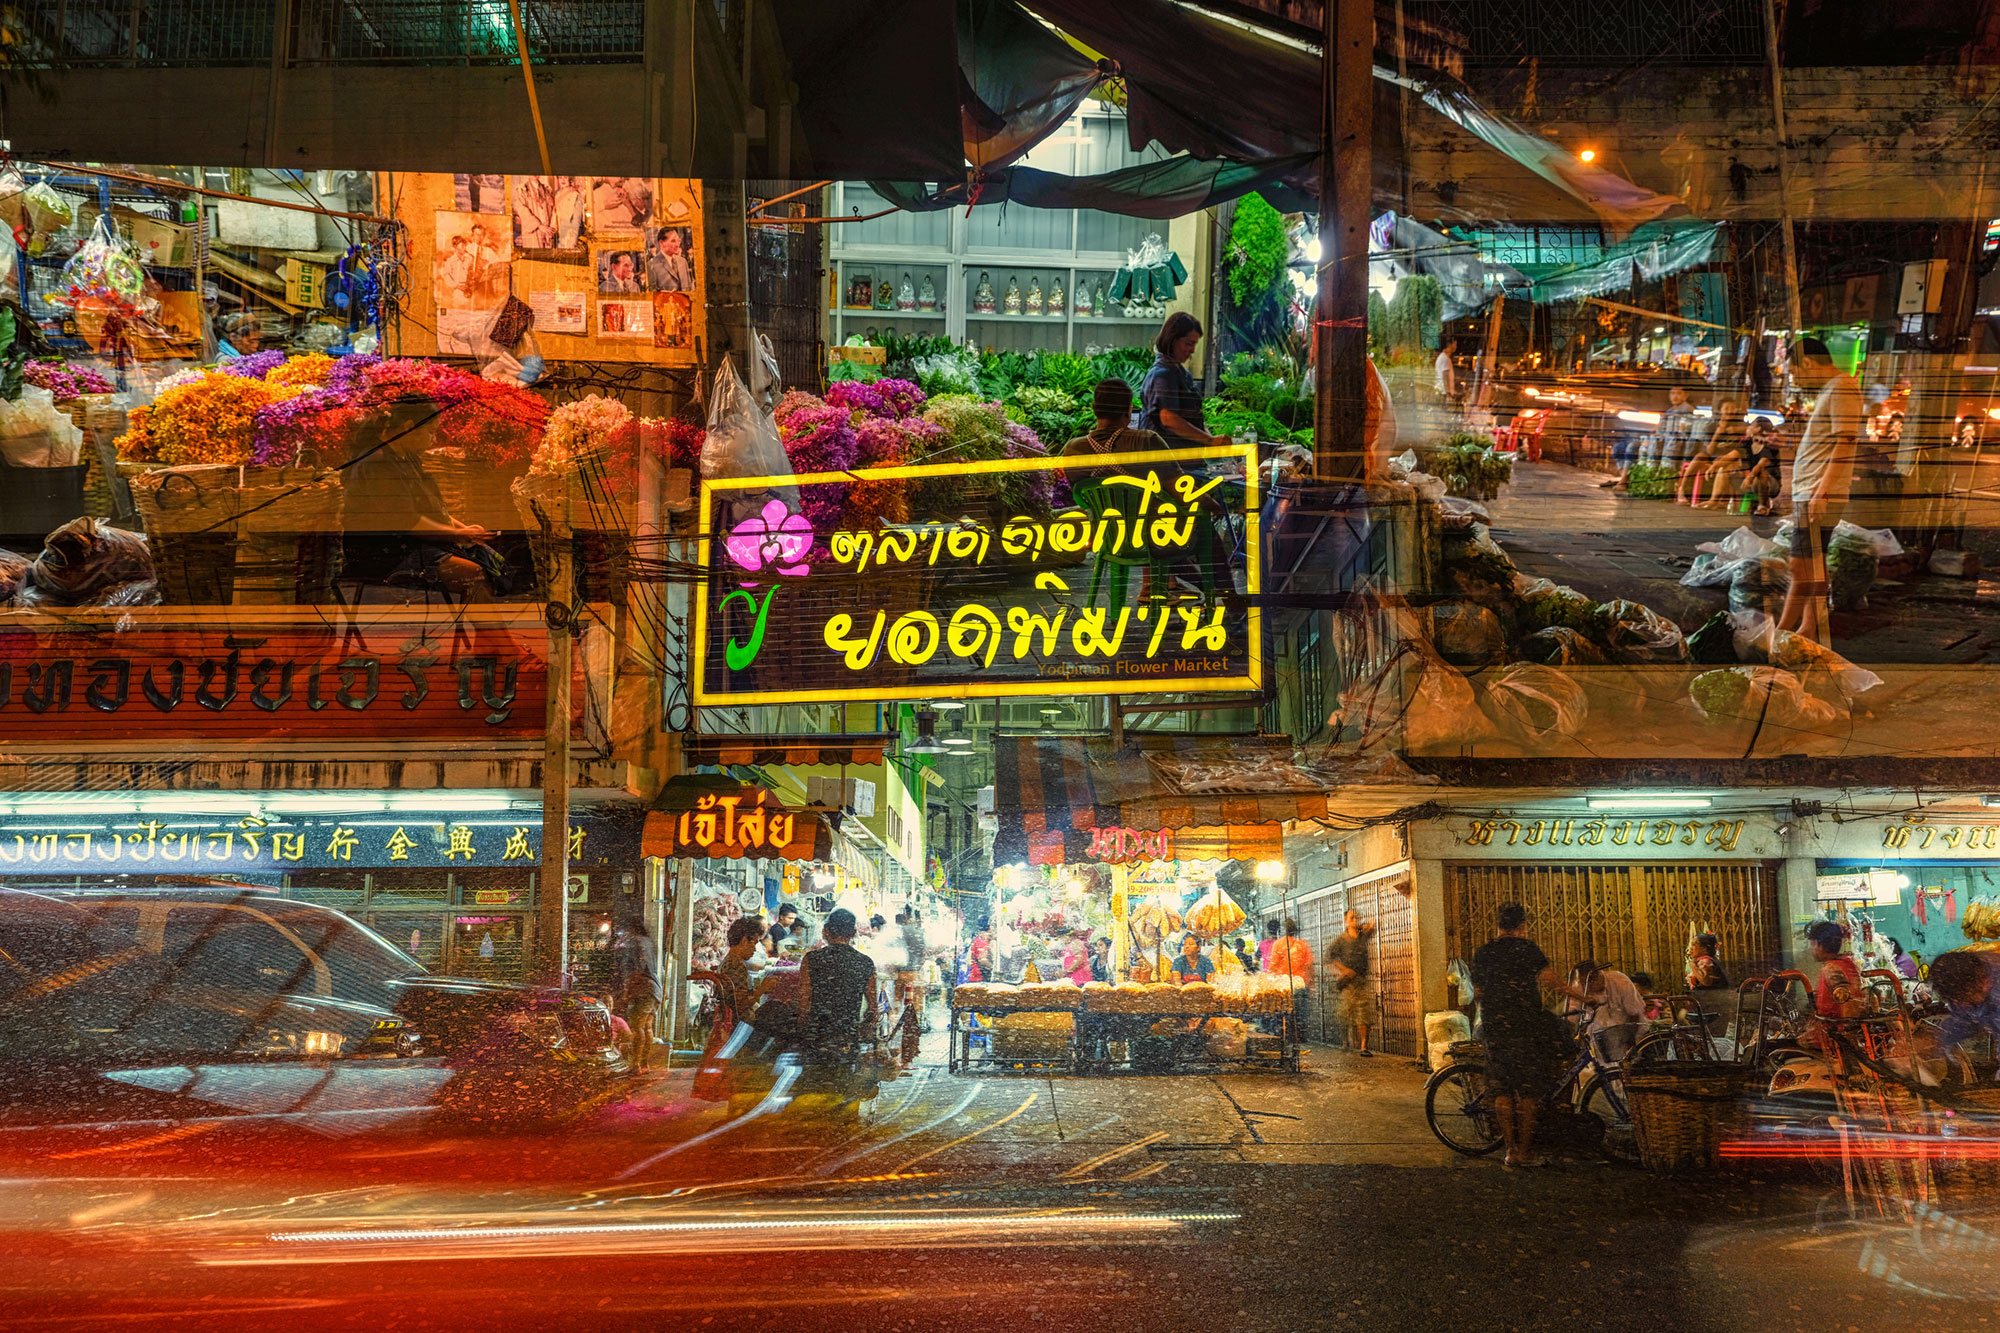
<point>552,903</point>
<point>1346,203</point>
<point>1772,58</point>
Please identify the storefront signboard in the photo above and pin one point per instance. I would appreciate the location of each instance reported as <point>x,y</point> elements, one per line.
<point>1515,835</point>
<point>744,822</point>
<point>989,590</point>
<point>180,844</point>
<point>1919,834</point>
<point>1130,844</point>
<point>71,686</point>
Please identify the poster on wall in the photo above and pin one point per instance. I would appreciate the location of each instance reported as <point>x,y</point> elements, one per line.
<point>621,272</point>
<point>548,214</point>
<point>469,261</point>
<point>673,321</point>
<point>479,194</point>
<point>625,319</point>
<point>670,259</point>
<point>560,312</point>
<point>620,203</point>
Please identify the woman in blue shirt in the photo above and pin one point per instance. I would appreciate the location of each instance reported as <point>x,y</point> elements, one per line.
<point>1193,964</point>
<point>1169,395</point>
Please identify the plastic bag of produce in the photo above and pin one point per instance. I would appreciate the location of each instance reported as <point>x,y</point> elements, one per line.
<point>1640,635</point>
<point>1759,586</point>
<point>1538,704</point>
<point>1714,644</point>
<point>1559,646</point>
<point>1742,544</point>
<point>1851,566</point>
<point>33,433</point>
<point>13,202</point>
<point>1467,634</point>
<point>1732,694</point>
<point>48,209</point>
<point>1415,702</point>
<point>1545,604</point>
<point>1228,1038</point>
<point>1881,541</point>
<point>1758,639</point>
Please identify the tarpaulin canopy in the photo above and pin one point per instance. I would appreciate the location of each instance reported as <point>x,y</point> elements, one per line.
<point>1654,250</point>
<point>1020,81</point>
<point>1169,189</point>
<point>1399,247</point>
<point>1224,798</point>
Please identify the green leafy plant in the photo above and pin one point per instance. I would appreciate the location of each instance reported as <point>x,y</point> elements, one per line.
<point>1416,316</point>
<point>1050,413</point>
<point>1467,465</point>
<point>856,371</point>
<point>1258,248</point>
<point>1066,372</point>
<point>1651,481</point>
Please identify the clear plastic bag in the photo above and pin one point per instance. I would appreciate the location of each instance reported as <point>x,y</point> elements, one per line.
<point>1761,693</point>
<point>13,204</point>
<point>742,434</point>
<point>1536,703</point>
<point>1757,636</point>
<point>1640,635</point>
<point>106,271</point>
<point>34,433</point>
<point>47,209</point>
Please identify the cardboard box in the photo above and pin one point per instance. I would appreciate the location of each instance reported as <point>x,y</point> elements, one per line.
<point>865,356</point>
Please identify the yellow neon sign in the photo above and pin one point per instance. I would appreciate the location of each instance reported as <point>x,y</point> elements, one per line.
<point>1141,515</point>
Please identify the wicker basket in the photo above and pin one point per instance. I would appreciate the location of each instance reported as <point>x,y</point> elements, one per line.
<point>1969,1173</point>
<point>1682,1110</point>
<point>288,535</point>
<point>190,515</point>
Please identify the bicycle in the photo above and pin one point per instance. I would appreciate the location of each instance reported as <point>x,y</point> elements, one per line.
<point>1458,1104</point>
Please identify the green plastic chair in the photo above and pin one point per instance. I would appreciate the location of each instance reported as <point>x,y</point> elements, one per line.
<point>1089,495</point>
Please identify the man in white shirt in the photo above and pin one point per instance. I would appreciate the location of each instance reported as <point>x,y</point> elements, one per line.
<point>1822,475</point>
<point>1447,376</point>
<point>1615,1006</point>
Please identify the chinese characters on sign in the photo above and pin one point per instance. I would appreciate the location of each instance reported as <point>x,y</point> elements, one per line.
<point>254,843</point>
<point>80,686</point>
<point>996,604</point>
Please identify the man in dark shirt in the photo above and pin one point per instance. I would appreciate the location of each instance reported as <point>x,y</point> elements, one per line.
<point>1347,955</point>
<point>838,997</point>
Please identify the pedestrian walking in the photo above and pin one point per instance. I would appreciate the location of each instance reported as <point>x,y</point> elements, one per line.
<point>837,1001</point>
<point>1509,974</point>
<point>1353,987</point>
<point>1445,378</point>
<point>636,978</point>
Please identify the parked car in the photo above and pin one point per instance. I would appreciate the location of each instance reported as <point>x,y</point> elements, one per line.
<point>96,1030</point>
<point>516,1051</point>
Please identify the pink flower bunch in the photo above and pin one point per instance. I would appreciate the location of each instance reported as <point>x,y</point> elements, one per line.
<point>53,376</point>
<point>675,442</point>
<point>495,423</point>
<point>320,424</point>
<point>902,398</point>
<point>795,400</point>
<point>819,439</point>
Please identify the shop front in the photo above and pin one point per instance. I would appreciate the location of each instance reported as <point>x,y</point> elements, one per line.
<point>452,877</point>
<point>1927,882</point>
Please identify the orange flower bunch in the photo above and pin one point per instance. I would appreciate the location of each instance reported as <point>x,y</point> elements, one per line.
<point>209,420</point>
<point>309,371</point>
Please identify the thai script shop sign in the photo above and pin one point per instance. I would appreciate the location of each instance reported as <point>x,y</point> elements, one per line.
<point>176,844</point>
<point>70,685</point>
<point>992,589</point>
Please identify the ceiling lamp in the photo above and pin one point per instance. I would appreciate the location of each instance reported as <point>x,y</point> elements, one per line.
<point>926,741</point>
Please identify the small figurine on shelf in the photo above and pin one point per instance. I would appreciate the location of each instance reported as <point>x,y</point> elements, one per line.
<point>927,294</point>
<point>1012,300</point>
<point>1083,303</point>
<point>982,295</point>
<point>860,292</point>
<point>906,295</point>
<point>1034,296</point>
<point>885,294</point>
<point>1103,299</point>
<point>1056,305</point>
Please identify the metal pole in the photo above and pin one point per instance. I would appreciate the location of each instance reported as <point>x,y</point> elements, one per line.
<point>1790,244</point>
<point>1346,200</point>
<point>552,904</point>
<point>528,77</point>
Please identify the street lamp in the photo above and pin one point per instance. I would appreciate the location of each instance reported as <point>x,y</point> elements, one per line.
<point>1270,871</point>
<point>1587,156</point>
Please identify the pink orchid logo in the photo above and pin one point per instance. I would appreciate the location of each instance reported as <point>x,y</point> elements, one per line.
<point>776,538</point>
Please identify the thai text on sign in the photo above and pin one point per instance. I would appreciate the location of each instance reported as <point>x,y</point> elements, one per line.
<point>740,824</point>
<point>951,603</point>
<point>253,843</point>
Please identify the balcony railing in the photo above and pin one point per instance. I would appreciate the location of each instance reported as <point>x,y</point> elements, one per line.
<point>68,34</point>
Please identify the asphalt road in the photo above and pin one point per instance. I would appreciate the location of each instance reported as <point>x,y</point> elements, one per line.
<point>1242,1204</point>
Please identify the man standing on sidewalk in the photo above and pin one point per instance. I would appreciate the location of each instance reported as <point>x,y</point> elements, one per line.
<point>1348,957</point>
<point>1293,957</point>
<point>1822,475</point>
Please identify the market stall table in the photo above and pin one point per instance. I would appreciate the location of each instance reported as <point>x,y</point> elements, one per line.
<point>1104,1027</point>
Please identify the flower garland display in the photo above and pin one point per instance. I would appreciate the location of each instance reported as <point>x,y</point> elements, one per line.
<point>207,419</point>
<point>592,428</point>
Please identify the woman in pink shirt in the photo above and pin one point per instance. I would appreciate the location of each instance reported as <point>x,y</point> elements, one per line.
<point>1264,945</point>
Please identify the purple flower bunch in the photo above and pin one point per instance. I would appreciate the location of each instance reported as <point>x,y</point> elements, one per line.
<point>901,398</point>
<point>854,396</point>
<point>880,442</point>
<point>316,421</point>
<point>53,376</point>
<point>821,439</point>
<point>90,381</point>
<point>255,366</point>
<point>1040,490</point>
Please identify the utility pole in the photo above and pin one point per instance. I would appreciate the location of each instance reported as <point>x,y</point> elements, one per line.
<point>1774,60</point>
<point>1346,205</point>
<point>552,902</point>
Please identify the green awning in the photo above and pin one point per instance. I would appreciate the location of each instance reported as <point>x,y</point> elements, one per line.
<point>1654,250</point>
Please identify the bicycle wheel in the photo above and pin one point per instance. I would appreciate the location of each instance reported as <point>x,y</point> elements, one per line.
<point>1459,1111</point>
<point>1621,1142</point>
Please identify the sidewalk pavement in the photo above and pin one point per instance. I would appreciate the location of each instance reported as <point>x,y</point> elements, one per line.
<point>1555,522</point>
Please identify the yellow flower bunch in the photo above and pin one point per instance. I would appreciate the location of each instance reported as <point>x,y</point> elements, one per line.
<point>309,371</point>
<point>210,419</point>
<point>137,442</point>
